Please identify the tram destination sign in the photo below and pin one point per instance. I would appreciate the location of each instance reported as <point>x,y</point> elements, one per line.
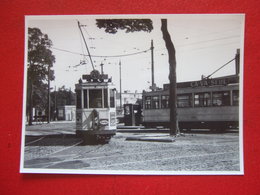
<point>206,82</point>
<point>95,76</point>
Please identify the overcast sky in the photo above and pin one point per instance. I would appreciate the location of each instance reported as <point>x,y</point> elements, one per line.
<point>203,43</point>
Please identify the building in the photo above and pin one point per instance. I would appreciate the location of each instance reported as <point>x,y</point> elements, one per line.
<point>67,112</point>
<point>128,98</point>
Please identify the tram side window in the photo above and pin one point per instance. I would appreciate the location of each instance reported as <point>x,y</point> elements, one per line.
<point>155,102</point>
<point>148,102</point>
<point>165,101</point>
<point>184,100</point>
<point>235,98</point>
<point>85,98</point>
<point>95,98</point>
<point>202,99</point>
<point>221,98</point>
<point>112,98</point>
<point>78,94</point>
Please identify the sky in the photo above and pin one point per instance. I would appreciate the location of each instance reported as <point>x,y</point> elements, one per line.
<point>203,43</point>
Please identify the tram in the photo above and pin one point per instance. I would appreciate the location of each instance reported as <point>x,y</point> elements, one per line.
<point>95,107</point>
<point>205,104</point>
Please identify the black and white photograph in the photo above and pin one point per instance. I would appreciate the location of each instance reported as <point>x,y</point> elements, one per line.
<point>143,94</point>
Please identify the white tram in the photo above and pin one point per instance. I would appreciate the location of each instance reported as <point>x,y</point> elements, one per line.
<point>206,104</point>
<point>95,107</point>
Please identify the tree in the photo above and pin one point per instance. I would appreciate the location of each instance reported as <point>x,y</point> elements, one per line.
<point>39,63</point>
<point>61,97</point>
<point>133,25</point>
<point>172,77</point>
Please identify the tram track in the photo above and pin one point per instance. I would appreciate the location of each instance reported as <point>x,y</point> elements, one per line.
<point>34,141</point>
<point>59,158</point>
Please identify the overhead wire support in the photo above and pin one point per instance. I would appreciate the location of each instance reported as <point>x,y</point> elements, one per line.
<point>86,45</point>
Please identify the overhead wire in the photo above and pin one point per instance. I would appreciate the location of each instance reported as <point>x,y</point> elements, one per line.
<point>102,56</point>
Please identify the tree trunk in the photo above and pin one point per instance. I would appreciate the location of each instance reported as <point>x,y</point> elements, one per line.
<point>30,93</point>
<point>172,77</point>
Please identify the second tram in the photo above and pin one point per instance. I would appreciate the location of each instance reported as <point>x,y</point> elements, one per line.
<point>206,104</point>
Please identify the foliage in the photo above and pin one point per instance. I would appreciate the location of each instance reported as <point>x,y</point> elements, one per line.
<point>40,93</point>
<point>63,96</point>
<point>129,25</point>
<point>39,55</point>
<point>39,63</point>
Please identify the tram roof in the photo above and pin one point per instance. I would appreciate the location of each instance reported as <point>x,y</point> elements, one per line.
<point>208,82</point>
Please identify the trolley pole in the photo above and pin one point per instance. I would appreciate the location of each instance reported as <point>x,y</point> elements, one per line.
<point>120,84</point>
<point>152,64</point>
<point>79,25</point>
<point>102,71</point>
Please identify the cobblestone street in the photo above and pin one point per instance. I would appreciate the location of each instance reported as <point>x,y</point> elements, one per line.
<point>194,151</point>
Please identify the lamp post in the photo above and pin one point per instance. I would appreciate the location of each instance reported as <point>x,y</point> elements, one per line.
<point>152,66</point>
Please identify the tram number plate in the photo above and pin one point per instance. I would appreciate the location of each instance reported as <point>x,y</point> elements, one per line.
<point>103,122</point>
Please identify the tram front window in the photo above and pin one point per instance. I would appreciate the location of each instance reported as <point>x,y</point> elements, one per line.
<point>85,101</point>
<point>112,98</point>
<point>105,99</point>
<point>78,95</point>
<point>95,98</point>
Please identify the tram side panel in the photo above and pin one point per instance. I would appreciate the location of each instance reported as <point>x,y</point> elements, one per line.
<point>210,117</point>
<point>221,112</point>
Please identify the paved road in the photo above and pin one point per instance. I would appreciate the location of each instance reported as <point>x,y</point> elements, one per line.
<point>191,152</point>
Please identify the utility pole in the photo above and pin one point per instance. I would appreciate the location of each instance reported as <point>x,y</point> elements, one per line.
<point>237,61</point>
<point>152,68</point>
<point>120,84</point>
<point>55,107</point>
<point>48,99</point>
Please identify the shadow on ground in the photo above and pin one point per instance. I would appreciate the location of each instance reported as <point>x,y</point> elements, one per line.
<point>58,140</point>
